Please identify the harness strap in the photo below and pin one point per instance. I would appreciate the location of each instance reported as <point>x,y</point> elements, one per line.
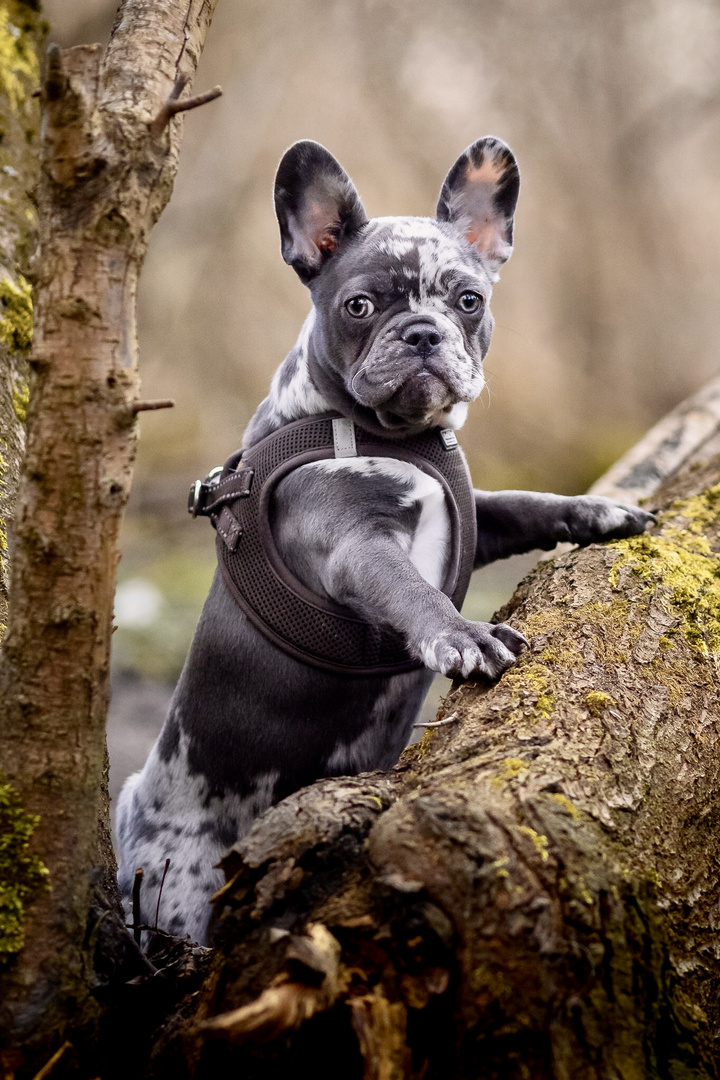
<point>309,627</point>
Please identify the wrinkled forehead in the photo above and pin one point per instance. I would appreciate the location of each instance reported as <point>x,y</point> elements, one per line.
<point>416,255</point>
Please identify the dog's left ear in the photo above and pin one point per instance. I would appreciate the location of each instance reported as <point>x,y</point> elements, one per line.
<point>317,207</point>
<point>480,194</point>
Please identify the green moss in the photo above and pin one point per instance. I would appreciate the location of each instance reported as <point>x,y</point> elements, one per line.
<point>3,534</point>
<point>490,985</point>
<point>540,842</point>
<point>682,564</point>
<point>423,745</point>
<point>562,653</point>
<point>18,60</point>
<point>563,801</point>
<point>597,702</point>
<point>499,866</point>
<point>20,402</point>
<point>568,657</point>
<point>510,768</point>
<point>22,875</point>
<point>16,323</point>
<point>701,511</point>
<point>529,683</point>
<point>545,622</point>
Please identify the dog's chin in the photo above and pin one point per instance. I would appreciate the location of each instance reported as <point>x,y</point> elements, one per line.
<point>421,402</point>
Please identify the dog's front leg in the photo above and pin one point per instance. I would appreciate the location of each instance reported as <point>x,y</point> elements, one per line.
<point>348,535</point>
<point>375,578</point>
<point>513,522</point>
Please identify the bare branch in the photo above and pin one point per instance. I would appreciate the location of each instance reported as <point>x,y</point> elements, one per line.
<point>150,406</point>
<point>52,1062</point>
<point>173,105</point>
<point>162,885</point>
<point>438,723</point>
<point>137,885</point>
<point>55,81</point>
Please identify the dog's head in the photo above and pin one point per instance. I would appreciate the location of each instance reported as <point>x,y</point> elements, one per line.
<point>402,317</point>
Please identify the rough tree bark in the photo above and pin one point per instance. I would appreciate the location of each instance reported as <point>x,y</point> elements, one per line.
<point>533,892</point>
<point>21,38</point>
<point>109,153</point>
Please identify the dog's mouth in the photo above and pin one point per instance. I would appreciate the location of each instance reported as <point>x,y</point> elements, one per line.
<point>419,402</point>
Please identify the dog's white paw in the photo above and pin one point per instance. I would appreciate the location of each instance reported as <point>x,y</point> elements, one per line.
<point>592,518</point>
<point>479,649</point>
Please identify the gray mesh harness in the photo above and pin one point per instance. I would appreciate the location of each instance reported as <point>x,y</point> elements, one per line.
<point>309,627</point>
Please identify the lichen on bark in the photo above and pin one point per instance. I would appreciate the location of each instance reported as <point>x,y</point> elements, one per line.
<point>22,33</point>
<point>681,566</point>
<point>22,874</point>
<point>16,314</point>
<point>106,173</point>
<point>18,55</point>
<point>538,898</point>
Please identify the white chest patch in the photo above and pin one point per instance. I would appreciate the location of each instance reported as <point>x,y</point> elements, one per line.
<point>428,546</point>
<point>430,542</point>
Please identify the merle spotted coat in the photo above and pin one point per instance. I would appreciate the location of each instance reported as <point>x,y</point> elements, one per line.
<point>395,341</point>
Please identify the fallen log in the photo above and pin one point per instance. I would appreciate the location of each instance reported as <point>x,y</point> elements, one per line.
<point>533,891</point>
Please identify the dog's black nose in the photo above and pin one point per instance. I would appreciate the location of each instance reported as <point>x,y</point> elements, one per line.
<point>425,337</point>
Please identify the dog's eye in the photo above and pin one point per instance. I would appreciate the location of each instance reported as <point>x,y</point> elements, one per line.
<point>469,302</point>
<point>359,307</point>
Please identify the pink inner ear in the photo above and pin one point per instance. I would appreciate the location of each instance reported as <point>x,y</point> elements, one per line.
<point>482,234</point>
<point>320,217</point>
<point>481,183</point>
<point>490,171</point>
<point>326,242</point>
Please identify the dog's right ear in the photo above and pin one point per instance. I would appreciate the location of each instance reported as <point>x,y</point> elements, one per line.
<point>317,207</point>
<point>479,195</point>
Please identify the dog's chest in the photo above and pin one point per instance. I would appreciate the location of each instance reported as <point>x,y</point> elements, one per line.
<point>428,545</point>
<point>425,536</point>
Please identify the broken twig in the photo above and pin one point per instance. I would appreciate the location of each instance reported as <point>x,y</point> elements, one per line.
<point>438,723</point>
<point>55,81</point>
<point>137,884</point>
<point>173,105</point>
<point>52,1062</point>
<point>150,406</point>
<point>162,883</point>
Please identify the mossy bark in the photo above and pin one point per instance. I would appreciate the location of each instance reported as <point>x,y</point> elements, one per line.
<point>533,892</point>
<point>105,177</point>
<point>22,35</point>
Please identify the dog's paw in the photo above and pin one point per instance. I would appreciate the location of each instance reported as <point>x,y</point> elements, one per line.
<point>592,518</point>
<point>471,648</point>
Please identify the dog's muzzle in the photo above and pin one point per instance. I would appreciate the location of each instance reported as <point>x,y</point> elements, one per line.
<point>416,368</point>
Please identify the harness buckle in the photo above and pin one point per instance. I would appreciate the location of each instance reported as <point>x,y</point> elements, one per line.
<point>198,491</point>
<point>194,498</point>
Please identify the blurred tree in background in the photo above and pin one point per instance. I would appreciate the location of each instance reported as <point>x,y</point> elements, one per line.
<point>606,315</point>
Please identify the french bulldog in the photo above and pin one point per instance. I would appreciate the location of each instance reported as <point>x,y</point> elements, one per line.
<point>395,341</point>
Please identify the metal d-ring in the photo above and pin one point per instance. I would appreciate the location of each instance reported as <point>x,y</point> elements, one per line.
<point>194,498</point>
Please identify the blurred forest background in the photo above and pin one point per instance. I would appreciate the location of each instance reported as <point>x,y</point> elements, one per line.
<point>607,314</point>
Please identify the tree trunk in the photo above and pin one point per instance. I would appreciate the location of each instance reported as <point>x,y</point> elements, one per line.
<point>108,158</point>
<point>21,38</point>
<point>22,875</point>
<point>533,891</point>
